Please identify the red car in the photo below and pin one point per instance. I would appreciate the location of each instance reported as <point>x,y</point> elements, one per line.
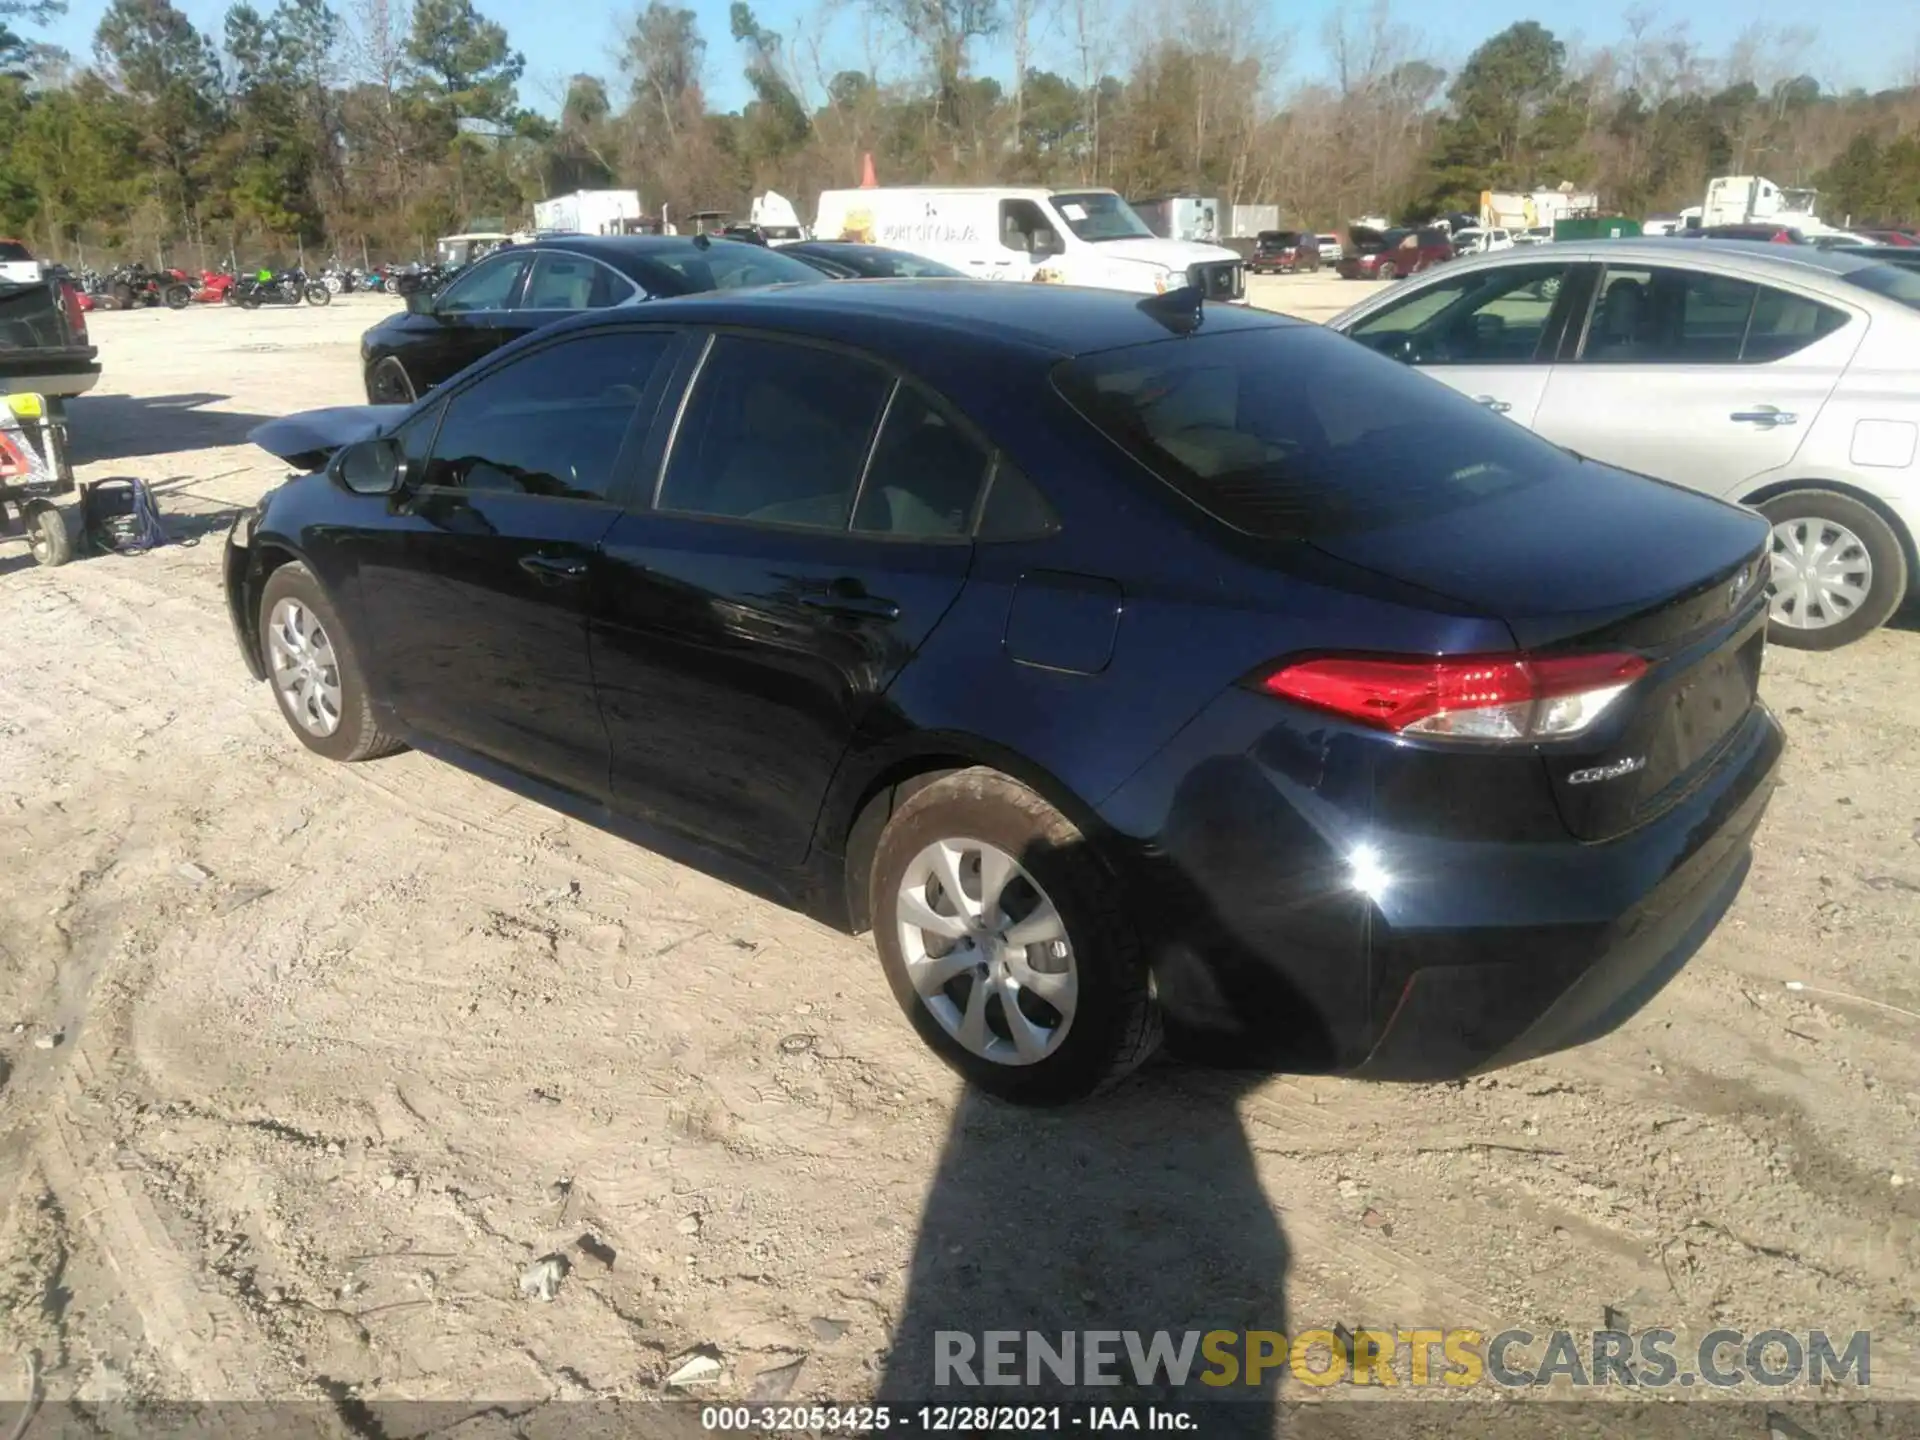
<point>1389,254</point>
<point>1283,252</point>
<point>1891,237</point>
<point>1774,234</point>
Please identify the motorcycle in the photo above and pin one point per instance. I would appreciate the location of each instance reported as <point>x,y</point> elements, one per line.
<point>214,287</point>
<point>135,284</point>
<point>338,280</point>
<point>278,287</point>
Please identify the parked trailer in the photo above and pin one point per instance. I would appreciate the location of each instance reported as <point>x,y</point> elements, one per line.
<point>586,212</point>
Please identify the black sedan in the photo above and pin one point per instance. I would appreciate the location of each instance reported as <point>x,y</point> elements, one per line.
<point>1118,662</point>
<point>524,287</point>
<point>845,260</point>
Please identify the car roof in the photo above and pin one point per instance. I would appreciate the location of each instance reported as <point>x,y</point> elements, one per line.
<point>893,318</point>
<point>1756,257</point>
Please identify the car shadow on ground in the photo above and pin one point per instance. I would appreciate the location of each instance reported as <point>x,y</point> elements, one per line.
<point>1140,1211</point>
<point>125,427</point>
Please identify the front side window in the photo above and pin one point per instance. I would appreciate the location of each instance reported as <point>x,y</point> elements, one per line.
<point>1020,222</point>
<point>774,433</point>
<point>1482,317</point>
<point>573,282</point>
<point>486,287</point>
<point>1292,433</point>
<point>550,423</point>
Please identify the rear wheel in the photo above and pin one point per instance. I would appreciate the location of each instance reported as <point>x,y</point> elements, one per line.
<point>1838,570</point>
<point>389,384</point>
<point>1008,943</point>
<point>48,539</point>
<point>316,676</point>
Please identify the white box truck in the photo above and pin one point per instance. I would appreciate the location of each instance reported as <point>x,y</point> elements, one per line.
<point>1086,237</point>
<point>586,212</point>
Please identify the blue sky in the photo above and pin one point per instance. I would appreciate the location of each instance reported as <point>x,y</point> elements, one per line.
<point>1871,43</point>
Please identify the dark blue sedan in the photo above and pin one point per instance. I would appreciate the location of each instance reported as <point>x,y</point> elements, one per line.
<point>1121,664</point>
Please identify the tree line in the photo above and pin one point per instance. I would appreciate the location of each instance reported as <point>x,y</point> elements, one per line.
<point>373,129</point>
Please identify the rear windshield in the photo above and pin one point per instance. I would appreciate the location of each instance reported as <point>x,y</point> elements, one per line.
<point>1297,433</point>
<point>1894,282</point>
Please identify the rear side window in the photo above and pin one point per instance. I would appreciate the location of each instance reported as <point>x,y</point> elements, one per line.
<point>573,282</point>
<point>550,423</point>
<point>1294,433</point>
<point>1783,324</point>
<point>774,433</point>
<point>1659,316</point>
<point>925,475</point>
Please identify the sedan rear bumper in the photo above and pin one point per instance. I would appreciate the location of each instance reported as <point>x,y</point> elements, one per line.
<point>1275,946</point>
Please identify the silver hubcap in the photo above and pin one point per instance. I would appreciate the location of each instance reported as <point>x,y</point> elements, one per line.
<point>304,668</point>
<point>1821,574</point>
<point>987,952</point>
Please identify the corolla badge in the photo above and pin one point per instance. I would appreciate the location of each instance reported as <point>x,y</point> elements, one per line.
<point>1608,772</point>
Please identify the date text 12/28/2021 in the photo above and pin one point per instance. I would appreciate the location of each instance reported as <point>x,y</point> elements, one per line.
<point>946,1419</point>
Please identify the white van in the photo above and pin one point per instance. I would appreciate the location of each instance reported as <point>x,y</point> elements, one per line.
<point>1063,237</point>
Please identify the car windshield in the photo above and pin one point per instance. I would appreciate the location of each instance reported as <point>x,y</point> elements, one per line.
<point>1295,433</point>
<point>1098,215</point>
<point>722,265</point>
<point>12,251</point>
<point>1893,282</point>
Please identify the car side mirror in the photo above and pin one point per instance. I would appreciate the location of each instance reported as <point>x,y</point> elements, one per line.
<point>419,302</point>
<point>371,467</point>
<point>1044,243</point>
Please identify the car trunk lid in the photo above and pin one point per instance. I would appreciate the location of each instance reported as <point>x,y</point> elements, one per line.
<point>1615,563</point>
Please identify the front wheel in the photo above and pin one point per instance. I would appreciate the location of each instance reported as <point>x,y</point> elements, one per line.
<point>1388,270</point>
<point>318,294</point>
<point>316,677</point>
<point>1008,943</point>
<point>334,284</point>
<point>177,296</point>
<point>1838,570</point>
<point>48,539</point>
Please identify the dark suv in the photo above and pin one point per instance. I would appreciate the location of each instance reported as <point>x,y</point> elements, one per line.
<point>1283,252</point>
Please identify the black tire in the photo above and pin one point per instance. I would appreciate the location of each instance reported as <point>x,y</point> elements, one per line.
<point>49,540</point>
<point>122,296</point>
<point>389,384</point>
<point>177,296</point>
<point>318,294</point>
<point>1116,1024</point>
<point>1889,584</point>
<point>358,735</point>
<point>250,300</point>
<point>1388,270</point>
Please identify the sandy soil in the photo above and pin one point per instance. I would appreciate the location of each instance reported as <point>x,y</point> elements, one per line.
<point>311,1062</point>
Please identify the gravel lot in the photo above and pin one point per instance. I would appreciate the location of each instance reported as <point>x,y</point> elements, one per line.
<point>342,1051</point>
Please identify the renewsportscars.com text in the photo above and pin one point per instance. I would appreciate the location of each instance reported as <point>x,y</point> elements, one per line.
<point>1457,1359</point>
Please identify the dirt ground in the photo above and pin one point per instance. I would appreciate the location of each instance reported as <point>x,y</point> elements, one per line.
<point>302,1066</point>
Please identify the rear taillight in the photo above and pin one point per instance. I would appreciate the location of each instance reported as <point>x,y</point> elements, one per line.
<point>76,317</point>
<point>1473,697</point>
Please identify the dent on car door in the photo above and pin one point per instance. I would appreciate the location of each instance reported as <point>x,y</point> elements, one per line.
<point>1704,379</point>
<point>1489,333</point>
<point>811,525</point>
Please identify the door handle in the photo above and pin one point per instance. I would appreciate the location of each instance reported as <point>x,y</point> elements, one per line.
<point>1499,407</point>
<point>1768,415</point>
<point>853,606</point>
<point>553,569</point>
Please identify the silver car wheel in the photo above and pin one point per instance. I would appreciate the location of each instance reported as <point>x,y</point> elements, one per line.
<point>987,952</point>
<point>304,668</point>
<point>1821,574</point>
